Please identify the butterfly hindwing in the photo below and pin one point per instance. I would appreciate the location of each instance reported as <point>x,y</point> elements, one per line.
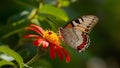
<point>69,36</point>
<point>75,38</point>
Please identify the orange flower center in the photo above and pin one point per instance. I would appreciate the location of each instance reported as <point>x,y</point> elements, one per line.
<point>51,37</point>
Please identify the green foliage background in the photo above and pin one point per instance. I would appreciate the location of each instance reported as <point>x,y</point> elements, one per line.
<point>15,15</point>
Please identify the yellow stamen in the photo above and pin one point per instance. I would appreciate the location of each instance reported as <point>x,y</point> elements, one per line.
<point>51,37</point>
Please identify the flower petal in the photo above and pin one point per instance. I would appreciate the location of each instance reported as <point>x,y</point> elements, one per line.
<point>67,55</point>
<point>32,36</point>
<point>59,52</point>
<point>52,52</point>
<point>37,42</point>
<point>45,43</point>
<point>35,28</point>
<point>42,42</point>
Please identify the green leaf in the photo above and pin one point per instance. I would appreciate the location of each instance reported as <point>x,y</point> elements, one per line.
<point>52,10</point>
<point>12,53</point>
<point>4,62</point>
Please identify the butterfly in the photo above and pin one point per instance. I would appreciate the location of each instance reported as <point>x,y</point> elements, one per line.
<point>75,33</point>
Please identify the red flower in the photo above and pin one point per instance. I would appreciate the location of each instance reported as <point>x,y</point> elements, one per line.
<point>48,39</point>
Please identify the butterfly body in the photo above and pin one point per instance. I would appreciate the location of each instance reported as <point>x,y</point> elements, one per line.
<point>75,33</point>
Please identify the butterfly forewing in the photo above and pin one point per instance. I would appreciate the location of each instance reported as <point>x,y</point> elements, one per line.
<point>85,23</point>
<point>89,22</point>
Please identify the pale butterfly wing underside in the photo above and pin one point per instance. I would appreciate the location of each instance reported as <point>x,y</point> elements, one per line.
<point>74,38</point>
<point>75,33</point>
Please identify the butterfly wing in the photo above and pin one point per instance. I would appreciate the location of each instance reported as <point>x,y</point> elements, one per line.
<point>85,23</point>
<point>69,36</point>
<point>84,40</point>
<point>75,38</point>
<point>75,33</point>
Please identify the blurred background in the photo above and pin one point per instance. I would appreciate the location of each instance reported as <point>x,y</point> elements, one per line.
<point>104,49</point>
